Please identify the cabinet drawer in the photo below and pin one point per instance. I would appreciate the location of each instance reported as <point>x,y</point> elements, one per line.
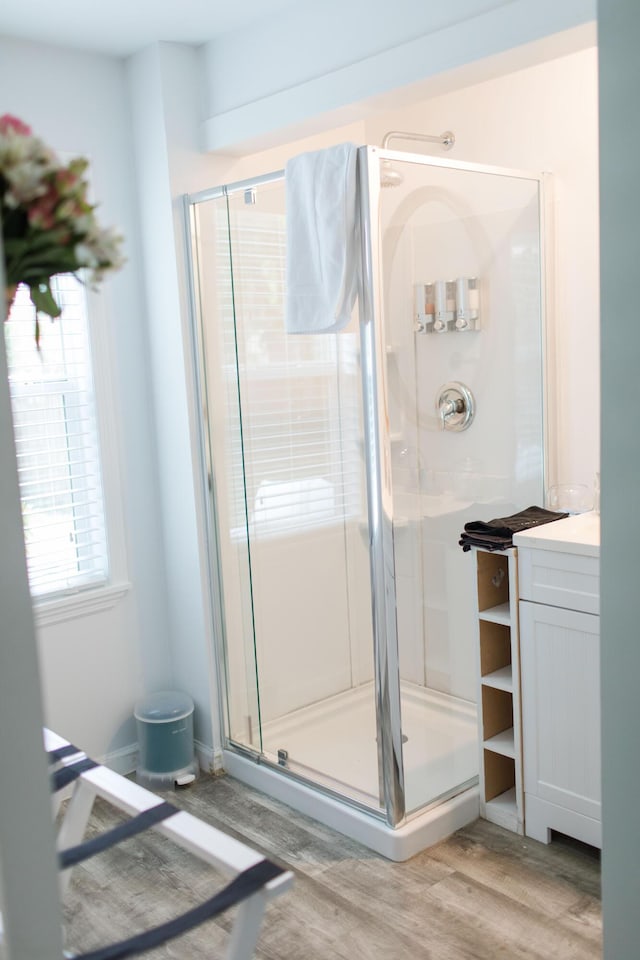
<point>560,579</point>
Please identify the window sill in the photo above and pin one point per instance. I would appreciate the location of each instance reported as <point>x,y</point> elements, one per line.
<point>81,604</point>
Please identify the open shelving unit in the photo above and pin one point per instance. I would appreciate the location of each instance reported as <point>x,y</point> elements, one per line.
<point>501,793</point>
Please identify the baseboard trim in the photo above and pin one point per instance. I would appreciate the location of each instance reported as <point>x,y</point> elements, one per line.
<point>209,759</point>
<point>123,761</point>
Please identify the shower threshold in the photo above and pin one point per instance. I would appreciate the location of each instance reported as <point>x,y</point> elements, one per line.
<point>337,737</point>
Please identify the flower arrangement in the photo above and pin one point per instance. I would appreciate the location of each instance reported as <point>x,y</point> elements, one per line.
<point>48,225</point>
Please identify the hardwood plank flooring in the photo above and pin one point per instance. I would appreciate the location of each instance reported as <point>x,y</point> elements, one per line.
<point>483,894</point>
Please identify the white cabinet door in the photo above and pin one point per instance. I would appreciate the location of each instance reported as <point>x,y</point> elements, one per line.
<point>560,660</point>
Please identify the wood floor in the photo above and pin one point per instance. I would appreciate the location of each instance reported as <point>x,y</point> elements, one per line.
<point>484,893</point>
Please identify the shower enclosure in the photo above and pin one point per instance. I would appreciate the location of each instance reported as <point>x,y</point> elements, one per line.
<point>340,471</point>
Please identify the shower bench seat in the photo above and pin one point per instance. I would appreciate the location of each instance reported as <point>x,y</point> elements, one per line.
<point>255,881</point>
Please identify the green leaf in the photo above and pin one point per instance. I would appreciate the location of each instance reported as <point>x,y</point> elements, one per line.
<point>43,301</point>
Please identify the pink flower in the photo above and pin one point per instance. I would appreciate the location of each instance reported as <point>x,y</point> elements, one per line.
<point>10,124</point>
<point>66,180</point>
<point>68,210</point>
<point>41,213</point>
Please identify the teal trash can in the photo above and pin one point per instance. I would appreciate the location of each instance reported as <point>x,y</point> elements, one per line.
<point>166,755</point>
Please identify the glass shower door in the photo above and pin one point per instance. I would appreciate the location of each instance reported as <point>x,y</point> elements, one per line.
<point>289,474</point>
<point>221,411</point>
<point>456,281</point>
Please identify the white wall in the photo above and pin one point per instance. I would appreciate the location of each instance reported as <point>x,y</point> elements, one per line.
<point>95,666</point>
<point>619,37</point>
<point>164,90</point>
<point>313,66</point>
<point>308,41</point>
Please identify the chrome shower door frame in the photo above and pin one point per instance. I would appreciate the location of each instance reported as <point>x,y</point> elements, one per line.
<point>379,495</point>
<point>377,452</point>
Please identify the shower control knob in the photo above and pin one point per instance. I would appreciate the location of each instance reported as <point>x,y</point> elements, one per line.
<point>455,406</point>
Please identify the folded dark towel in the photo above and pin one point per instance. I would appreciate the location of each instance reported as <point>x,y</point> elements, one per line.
<point>487,543</point>
<point>498,534</point>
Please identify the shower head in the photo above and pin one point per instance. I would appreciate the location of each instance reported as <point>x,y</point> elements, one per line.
<point>389,176</point>
<point>446,139</point>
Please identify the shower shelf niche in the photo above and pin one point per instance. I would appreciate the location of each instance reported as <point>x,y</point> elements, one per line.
<point>501,793</point>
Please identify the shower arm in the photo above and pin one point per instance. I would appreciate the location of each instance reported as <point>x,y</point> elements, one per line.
<point>446,139</point>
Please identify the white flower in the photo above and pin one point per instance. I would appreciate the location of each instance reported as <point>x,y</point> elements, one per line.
<point>15,150</point>
<point>106,246</point>
<point>25,182</point>
<point>85,256</point>
<point>84,223</point>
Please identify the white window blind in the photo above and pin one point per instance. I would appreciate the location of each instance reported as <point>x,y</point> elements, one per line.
<point>56,443</point>
<point>299,395</point>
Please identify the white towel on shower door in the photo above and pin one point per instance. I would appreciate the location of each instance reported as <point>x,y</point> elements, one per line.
<point>323,239</point>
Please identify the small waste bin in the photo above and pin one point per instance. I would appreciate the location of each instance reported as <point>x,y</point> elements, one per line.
<point>166,756</point>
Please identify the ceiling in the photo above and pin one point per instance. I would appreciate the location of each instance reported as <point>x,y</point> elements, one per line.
<point>120,27</point>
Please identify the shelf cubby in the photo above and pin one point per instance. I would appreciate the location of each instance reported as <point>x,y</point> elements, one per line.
<point>497,711</point>
<point>501,796</point>
<point>501,807</point>
<point>499,774</point>
<point>498,614</point>
<point>495,647</point>
<point>503,743</point>
<point>501,679</point>
<point>493,579</point>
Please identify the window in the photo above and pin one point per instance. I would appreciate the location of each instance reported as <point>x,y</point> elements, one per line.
<point>300,395</point>
<point>57,444</point>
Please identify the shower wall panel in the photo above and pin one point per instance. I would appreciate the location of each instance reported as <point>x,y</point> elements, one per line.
<point>302,617</point>
<point>440,224</point>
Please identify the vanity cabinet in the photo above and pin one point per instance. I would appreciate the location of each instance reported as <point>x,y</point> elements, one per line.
<point>560,664</point>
